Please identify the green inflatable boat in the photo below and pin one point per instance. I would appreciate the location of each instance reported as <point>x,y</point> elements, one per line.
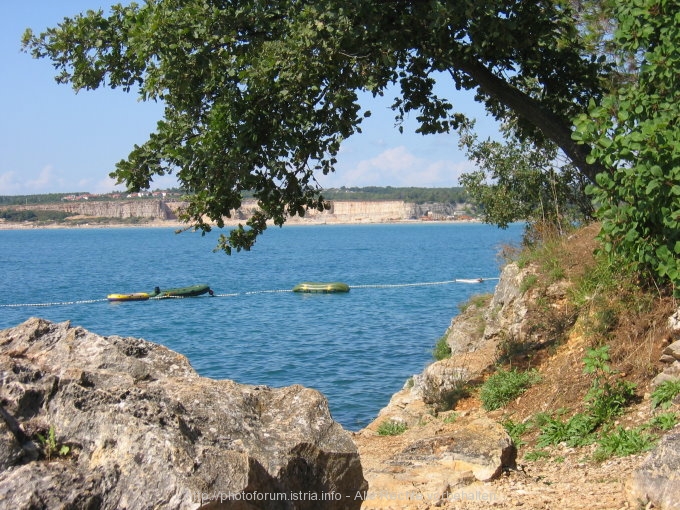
<point>321,287</point>
<point>191,291</point>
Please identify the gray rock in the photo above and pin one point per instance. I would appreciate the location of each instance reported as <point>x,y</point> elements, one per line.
<point>674,321</point>
<point>482,448</point>
<point>670,373</point>
<point>673,350</point>
<point>657,480</point>
<point>442,380</point>
<point>508,307</point>
<point>145,431</point>
<point>466,332</point>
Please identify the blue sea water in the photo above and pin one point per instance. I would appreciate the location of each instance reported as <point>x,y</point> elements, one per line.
<point>356,348</point>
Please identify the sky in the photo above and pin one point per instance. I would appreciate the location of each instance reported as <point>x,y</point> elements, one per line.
<point>53,140</point>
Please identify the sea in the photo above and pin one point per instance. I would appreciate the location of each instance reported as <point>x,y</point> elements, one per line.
<point>357,348</point>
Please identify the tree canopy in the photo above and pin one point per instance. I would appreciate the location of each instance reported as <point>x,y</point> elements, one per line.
<point>517,180</point>
<point>259,94</point>
<point>635,130</point>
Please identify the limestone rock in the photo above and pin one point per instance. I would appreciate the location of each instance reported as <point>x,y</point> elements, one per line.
<point>482,447</point>
<point>433,462</point>
<point>134,208</point>
<point>442,380</point>
<point>670,373</point>
<point>508,308</point>
<point>466,332</point>
<point>657,480</point>
<point>145,431</point>
<point>673,350</point>
<point>674,322</point>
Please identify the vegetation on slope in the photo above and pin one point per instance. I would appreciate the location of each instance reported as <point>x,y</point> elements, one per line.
<point>595,334</point>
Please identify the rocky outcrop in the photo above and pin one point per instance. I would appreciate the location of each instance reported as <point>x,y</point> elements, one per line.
<point>434,461</point>
<point>110,422</point>
<point>368,212</point>
<point>438,457</point>
<point>509,307</point>
<point>473,337</point>
<point>480,447</point>
<point>657,480</point>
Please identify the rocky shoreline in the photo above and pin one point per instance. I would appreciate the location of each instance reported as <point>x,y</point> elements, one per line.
<point>463,458</point>
<point>111,422</point>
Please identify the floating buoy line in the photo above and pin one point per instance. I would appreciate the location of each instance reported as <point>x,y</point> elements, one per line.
<point>275,291</point>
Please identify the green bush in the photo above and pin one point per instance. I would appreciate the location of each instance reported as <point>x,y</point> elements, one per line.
<point>529,281</point>
<point>505,386</point>
<point>441,349</point>
<point>605,399</point>
<point>663,421</point>
<point>632,133</point>
<point>535,455</point>
<point>478,301</point>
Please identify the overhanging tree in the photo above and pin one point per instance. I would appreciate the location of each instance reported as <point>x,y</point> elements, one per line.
<point>260,94</point>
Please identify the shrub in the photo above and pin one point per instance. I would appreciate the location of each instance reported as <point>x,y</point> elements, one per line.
<point>50,445</point>
<point>505,386</point>
<point>441,349</point>
<point>529,281</point>
<point>477,300</point>
<point>663,421</point>
<point>605,399</point>
<point>536,455</point>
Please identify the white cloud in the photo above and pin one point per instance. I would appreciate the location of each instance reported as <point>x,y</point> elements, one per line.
<point>399,167</point>
<point>46,181</point>
<point>8,184</point>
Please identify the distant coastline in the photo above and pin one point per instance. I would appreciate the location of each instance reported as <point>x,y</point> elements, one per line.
<point>170,224</point>
<point>159,213</point>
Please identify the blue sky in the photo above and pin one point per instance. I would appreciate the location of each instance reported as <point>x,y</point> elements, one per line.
<point>54,140</point>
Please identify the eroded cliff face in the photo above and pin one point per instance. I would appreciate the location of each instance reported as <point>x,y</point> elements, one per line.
<point>108,422</point>
<point>121,209</point>
<point>340,212</point>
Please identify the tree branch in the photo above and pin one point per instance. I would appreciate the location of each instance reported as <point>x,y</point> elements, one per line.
<point>553,127</point>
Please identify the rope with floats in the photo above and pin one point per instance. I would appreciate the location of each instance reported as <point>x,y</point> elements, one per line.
<point>56,303</point>
<point>254,292</point>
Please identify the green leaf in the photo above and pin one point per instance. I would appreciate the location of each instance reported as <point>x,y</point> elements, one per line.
<point>652,186</point>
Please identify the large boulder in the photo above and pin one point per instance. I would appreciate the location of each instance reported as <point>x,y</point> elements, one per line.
<point>657,480</point>
<point>481,446</point>
<point>110,422</point>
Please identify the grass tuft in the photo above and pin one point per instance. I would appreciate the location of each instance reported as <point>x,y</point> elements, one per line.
<point>391,428</point>
<point>505,386</point>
